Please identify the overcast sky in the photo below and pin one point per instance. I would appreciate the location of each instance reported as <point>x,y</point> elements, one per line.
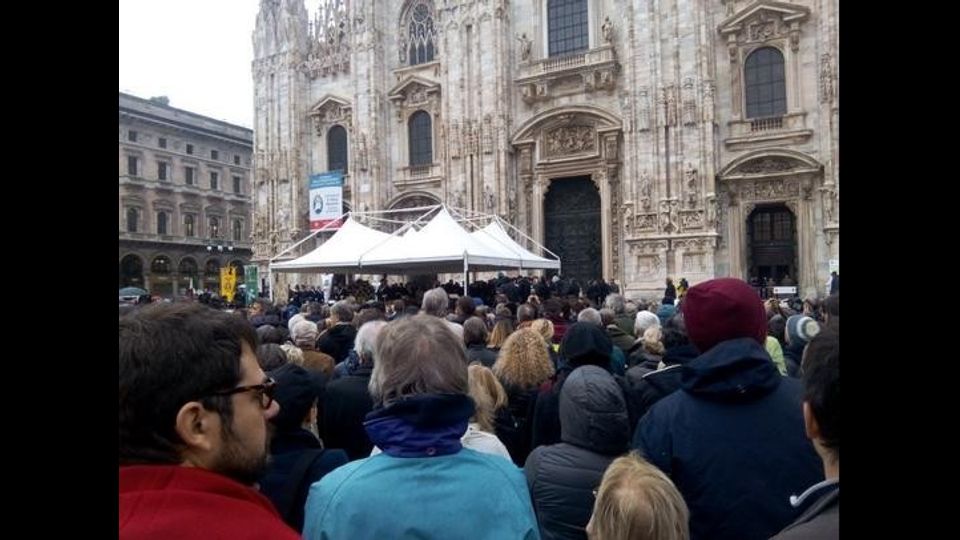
<point>195,52</point>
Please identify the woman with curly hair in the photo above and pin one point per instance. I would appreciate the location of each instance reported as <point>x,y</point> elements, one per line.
<point>501,331</point>
<point>523,364</point>
<point>545,328</point>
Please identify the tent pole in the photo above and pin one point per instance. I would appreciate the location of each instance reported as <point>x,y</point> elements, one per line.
<point>465,275</point>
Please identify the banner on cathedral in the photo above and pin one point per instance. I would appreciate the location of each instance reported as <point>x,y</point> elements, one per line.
<point>326,198</point>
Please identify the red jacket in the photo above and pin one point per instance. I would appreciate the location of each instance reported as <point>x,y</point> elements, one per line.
<point>169,501</point>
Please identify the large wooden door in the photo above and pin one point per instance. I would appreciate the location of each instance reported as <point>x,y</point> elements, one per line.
<point>572,227</point>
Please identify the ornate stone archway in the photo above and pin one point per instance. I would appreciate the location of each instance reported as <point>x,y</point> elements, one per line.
<point>769,177</point>
<point>571,141</point>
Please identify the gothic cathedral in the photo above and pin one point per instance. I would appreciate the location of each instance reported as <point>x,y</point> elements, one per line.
<point>637,139</point>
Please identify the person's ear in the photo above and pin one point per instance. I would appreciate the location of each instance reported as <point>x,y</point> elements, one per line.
<point>810,423</point>
<point>195,426</point>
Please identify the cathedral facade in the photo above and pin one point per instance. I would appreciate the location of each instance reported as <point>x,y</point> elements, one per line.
<point>637,139</point>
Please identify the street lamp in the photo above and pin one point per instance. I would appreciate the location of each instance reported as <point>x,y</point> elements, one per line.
<point>227,246</point>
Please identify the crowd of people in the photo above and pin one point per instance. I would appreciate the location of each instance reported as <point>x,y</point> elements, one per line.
<point>524,408</point>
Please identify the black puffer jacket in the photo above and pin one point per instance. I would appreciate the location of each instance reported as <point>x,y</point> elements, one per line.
<point>645,387</point>
<point>594,430</point>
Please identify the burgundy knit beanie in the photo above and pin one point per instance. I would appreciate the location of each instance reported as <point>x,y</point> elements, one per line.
<point>722,309</point>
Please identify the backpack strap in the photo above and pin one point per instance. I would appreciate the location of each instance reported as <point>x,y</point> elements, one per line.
<point>295,481</point>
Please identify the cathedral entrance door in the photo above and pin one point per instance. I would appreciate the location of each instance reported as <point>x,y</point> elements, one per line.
<point>771,233</point>
<point>572,227</point>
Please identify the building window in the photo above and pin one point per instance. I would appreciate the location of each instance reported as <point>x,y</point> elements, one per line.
<point>420,139</point>
<point>237,230</point>
<point>188,221</point>
<point>236,185</point>
<point>569,30</point>
<point>160,265</point>
<point>132,218</point>
<point>161,170</point>
<point>214,227</point>
<point>188,175</point>
<point>214,180</point>
<point>161,223</point>
<point>765,83</point>
<point>337,149</point>
<point>190,149</point>
<point>236,159</point>
<point>162,142</point>
<point>132,136</point>
<point>214,154</point>
<point>421,34</point>
<point>132,165</point>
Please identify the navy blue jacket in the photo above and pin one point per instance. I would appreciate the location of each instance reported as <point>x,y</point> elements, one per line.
<point>733,442</point>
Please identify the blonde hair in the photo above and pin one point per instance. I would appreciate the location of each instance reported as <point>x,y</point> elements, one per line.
<point>543,327</point>
<point>294,353</point>
<point>523,360</point>
<point>501,331</point>
<point>651,340</point>
<point>636,501</point>
<point>487,393</point>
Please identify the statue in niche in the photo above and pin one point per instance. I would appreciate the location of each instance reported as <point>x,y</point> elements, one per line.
<point>491,200</point>
<point>526,45</point>
<point>691,178</point>
<point>607,30</point>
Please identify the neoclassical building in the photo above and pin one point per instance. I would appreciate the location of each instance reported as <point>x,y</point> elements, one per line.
<point>184,197</point>
<point>638,139</point>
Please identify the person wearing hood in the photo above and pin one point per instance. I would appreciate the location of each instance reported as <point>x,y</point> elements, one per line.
<point>424,483</point>
<point>732,438</point>
<point>583,344</point>
<point>594,430</point>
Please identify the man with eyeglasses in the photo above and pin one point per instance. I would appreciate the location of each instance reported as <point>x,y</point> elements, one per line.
<point>194,406</point>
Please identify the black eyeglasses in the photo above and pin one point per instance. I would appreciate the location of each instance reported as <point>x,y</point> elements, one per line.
<point>265,390</point>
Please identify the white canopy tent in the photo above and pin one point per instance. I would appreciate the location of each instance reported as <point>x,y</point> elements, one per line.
<point>443,245</point>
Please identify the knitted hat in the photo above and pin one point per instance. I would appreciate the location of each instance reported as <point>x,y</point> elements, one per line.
<point>801,329</point>
<point>665,311</point>
<point>297,389</point>
<point>723,309</point>
<point>586,343</point>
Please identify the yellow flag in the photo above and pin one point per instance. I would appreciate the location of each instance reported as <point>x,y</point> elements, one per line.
<point>228,282</point>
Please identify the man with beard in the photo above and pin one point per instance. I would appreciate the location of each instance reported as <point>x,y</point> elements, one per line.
<point>194,406</point>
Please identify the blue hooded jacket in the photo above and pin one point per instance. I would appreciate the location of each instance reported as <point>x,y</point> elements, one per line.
<point>733,442</point>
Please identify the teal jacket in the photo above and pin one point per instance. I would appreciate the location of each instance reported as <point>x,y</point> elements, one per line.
<point>424,485</point>
<point>467,495</point>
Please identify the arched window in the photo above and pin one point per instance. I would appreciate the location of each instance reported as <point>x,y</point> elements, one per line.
<point>161,223</point>
<point>337,149</point>
<point>187,267</point>
<point>214,227</point>
<point>237,230</point>
<point>765,83</point>
<point>132,218</point>
<point>569,30</point>
<point>420,139</point>
<point>188,223</point>
<point>212,268</point>
<point>420,33</point>
<point>160,265</point>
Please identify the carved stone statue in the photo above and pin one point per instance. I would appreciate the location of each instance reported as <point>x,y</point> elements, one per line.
<point>691,178</point>
<point>526,45</point>
<point>607,30</point>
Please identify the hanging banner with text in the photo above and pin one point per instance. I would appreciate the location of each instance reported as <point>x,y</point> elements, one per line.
<point>326,198</point>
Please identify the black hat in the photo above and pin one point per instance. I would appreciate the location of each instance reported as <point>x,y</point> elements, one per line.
<point>297,389</point>
<point>586,343</point>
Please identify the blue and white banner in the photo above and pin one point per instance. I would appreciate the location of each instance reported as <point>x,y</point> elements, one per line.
<point>326,198</point>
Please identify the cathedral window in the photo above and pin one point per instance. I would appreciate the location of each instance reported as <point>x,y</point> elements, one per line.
<point>568,26</point>
<point>337,149</point>
<point>420,139</point>
<point>421,34</point>
<point>765,83</point>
